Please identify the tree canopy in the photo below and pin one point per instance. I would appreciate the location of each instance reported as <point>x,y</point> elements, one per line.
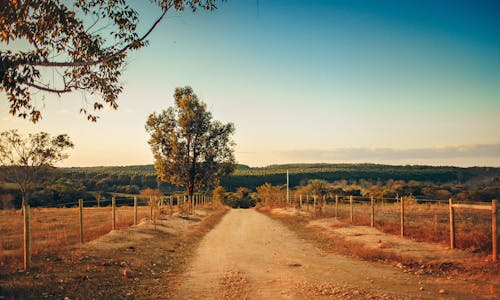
<point>190,149</point>
<point>72,46</point>
<point>23,159</point>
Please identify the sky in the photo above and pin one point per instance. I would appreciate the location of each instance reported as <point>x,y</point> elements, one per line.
<point>389,82</point>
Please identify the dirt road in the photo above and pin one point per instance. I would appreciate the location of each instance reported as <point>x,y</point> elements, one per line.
<point>250,256</point>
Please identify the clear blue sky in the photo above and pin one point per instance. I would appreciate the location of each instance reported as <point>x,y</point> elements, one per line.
<point>399,82</point>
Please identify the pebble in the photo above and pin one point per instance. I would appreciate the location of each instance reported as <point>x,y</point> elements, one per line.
<point>421,288</point>
<point>442,291</point>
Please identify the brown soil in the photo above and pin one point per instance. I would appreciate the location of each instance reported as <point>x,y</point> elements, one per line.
<point>251,256</point>
<point>247,255</point>
<point>136,263</point>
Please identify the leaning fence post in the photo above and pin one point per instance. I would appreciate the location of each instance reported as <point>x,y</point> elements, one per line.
<point>372,219</point>
<point>135,210</point>
<point>402,217</point>
<point>113,213</point>
<point>27,238</point>
<point>494,229</point>
<point>300,201</point>
<point>452,225</point>
<point>80,205</point>
<point>351,208</point>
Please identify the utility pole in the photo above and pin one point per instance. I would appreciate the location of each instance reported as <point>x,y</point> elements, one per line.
<point>287,190</point>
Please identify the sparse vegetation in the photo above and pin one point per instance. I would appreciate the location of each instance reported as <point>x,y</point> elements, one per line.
<point>425,219</point>
<point>53,228</point>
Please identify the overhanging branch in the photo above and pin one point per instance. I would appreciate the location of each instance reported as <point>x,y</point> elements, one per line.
<point>103,60</point>
<point>47,89</point>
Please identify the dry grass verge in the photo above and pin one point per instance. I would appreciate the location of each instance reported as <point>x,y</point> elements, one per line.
<point>336,241</point>
<point>53,228</point>
<point>139,262</point>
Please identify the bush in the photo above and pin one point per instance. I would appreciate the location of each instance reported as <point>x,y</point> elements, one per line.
<point>235,202</point>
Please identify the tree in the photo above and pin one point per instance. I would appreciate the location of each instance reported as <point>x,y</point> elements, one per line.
<point>152,195</point>
<point>84,43</point>
<point>319,189</point>
<point>243,192</point>
<point>190,149</point>
<point>218,195</point>
<point>270,195</point>
<point>25,160</point>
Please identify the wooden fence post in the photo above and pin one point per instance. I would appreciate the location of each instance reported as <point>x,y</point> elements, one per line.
<point>27,238</point>
<point>135,210</point>
<point>402,217</point>
<point>307,200</point>
<point>372,219</point>
<point>300,201</point>
<point>452,225</point>
<point>154,220</point>
<point>113,213</point>
<point>98,201</point>
<point>436,224</point>
<point>314,203</point>
<point>151,207</point>
<point>80,205</point>
<point>494,229</point>
<point>352,209</point>
<point>336,206</point>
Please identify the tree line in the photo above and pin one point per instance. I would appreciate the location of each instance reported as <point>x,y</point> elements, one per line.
<point>473,184</point>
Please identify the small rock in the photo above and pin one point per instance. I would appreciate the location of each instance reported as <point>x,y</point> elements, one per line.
<point>442,291</point>
<point>421,288</point>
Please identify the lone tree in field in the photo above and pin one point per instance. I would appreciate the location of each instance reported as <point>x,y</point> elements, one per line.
<point>24,159</point>
<point>72,45</point>
<point>190,149</point>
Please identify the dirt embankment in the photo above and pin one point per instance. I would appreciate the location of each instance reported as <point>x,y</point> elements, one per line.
<point>251,256</point>
<point>137,263</point>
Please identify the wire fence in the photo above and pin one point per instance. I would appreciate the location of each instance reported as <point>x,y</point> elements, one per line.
<point>468,225</point>
<point>56,226</point>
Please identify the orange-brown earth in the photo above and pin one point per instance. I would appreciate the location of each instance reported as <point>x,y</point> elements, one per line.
<point>247,255</point>
<point>251,256</point>
<point>140,262</point>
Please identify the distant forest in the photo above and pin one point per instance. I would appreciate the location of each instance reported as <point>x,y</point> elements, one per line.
<point>468,184</point>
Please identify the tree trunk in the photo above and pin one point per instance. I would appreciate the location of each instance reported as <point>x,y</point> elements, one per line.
<point>24,201</point>
<point>190,192</point>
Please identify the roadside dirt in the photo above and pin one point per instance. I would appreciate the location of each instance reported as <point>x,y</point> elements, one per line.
<point>247,255</point>
<point>251,256</point>
<point>375,239</point>
<point>137,263</point>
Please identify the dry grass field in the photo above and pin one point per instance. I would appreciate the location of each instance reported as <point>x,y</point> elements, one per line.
<point>426,222</point>
<point>53,228</point>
